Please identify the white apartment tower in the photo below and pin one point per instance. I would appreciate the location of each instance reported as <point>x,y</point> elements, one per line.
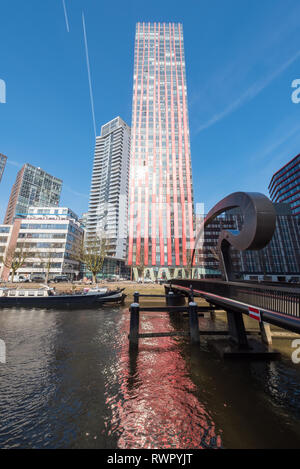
<point>108,207</point>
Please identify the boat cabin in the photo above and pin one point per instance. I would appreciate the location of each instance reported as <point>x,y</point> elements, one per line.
<point>24,293</point>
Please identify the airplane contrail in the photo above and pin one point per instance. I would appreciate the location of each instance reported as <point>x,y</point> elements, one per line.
<point>89,73</point>
<point>66,15</point>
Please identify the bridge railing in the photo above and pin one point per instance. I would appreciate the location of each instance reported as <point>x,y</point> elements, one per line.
<point>284,300</point>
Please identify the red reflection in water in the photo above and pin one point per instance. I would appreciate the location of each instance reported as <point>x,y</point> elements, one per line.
<point>157,407</point>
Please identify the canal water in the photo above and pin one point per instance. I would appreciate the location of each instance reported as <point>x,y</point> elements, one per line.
<point>70,382</point>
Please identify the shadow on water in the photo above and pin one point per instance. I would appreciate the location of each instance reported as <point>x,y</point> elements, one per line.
<point>254,402</point>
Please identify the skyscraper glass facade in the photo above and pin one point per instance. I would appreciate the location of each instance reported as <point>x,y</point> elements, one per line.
<point>33,187</point>
<point>107,215</point>
<point>285,185</point>
<point>160,192</point>
<point>279,260</point>
<point>3,159</point>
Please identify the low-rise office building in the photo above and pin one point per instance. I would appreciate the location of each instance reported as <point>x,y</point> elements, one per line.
<point>47,239</point>
<point>5,234</point>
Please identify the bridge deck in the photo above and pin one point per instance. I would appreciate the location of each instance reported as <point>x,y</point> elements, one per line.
<point>277,305</point>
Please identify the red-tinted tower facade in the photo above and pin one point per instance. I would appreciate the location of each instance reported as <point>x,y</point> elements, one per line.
<point>161,232</point>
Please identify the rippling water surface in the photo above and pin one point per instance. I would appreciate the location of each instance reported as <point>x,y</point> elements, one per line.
<point>70,382</point>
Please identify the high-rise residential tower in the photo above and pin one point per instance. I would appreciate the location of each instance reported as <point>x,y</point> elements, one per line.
<point>161,232</point>
<point>285,185</point>
<point>108,213</point>
<point>33,187</point>
<point>3,159</point>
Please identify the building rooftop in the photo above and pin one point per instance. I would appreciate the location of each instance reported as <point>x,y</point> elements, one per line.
<point>113,125</point>
<point>51,212</point>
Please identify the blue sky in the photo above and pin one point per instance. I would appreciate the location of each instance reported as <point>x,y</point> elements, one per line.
<point>241,56</point>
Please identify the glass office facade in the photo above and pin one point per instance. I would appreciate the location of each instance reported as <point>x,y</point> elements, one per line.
<point>33,187</point>
<point>285,185</point>
<point>279,260</point>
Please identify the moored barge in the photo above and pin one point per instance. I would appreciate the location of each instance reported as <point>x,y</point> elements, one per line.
<point>46,297</point>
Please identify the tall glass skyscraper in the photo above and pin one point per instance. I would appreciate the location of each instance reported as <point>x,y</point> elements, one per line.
<point>160,191</point>
<point>33,187</point>
<point>107,215</point>
<point>3,159</point>
<point>285,185</point>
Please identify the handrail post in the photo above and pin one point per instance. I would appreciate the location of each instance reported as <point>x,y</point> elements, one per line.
<point>194,323</point>
<point>170,298</point>
<point>212,312</point>
<point>191,295</point>
<point>134,325</point>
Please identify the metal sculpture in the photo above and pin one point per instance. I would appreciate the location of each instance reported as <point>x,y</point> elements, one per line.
<point>259,221</point>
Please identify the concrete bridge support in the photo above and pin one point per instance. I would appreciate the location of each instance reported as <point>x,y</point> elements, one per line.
<point>266,335</point>
<point>236,329</point>
<point>239,345</point>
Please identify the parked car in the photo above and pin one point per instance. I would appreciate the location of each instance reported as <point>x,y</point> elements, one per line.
<point>61,278</point>
<point>37,278</point>
<point>23,279</point>
<point>18,278</point>
<point>110,279</point>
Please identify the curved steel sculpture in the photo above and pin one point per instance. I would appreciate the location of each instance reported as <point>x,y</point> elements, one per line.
<point>258,227</point>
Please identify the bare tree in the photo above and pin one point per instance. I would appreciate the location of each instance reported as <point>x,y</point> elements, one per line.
<point>171,271</point>
<point>189,266</point>
<point>141,266</point>
<point>15,257</point>
<point>92,253</point>
<point>46,262</point>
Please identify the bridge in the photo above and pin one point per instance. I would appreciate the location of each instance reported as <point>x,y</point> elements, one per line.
<point>266,303</point>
